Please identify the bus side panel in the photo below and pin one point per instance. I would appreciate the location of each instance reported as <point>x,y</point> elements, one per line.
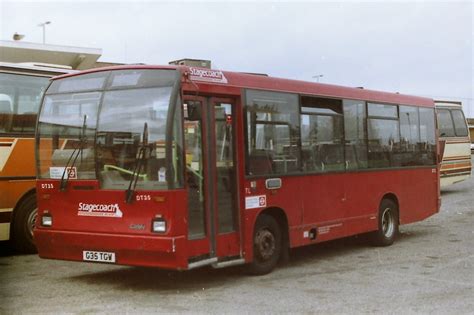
<point>17,157</point>
<point>345,204</point>
<point>413,188</point>
<point>456,164</point>
<point>13,190</point>
<point>364,191</point>
<point>258,199</point>
<point>419,194</point>
<point>16,178</point>
<point>324,201</point>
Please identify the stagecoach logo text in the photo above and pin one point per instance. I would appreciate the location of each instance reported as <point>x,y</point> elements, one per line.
<point>99,210</point>
<point>207,75</point>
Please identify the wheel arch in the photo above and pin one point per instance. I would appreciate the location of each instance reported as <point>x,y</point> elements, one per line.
<point>282,219</point>
<point>22,199</point>
<point>392,197</point>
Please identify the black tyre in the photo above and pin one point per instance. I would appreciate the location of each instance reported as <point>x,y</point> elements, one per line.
<point>23,224</point>
<point>387,224</point>
<point>267,242</point>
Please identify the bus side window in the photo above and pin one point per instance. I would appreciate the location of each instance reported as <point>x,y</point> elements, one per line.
<point>445,122</point>
<point>355,134</point>
<point>322,134</point>
<point>260,163</point>
<point>427,137</point>
<point>460,126</point>
<point>409,151</point>
<point>6,106</point>
<point>6,112</point>
<point>272,141</point>
<point>383,135</point>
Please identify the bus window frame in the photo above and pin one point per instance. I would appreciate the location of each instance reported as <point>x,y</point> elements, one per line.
<point>30,74</point>
<point>300,172</point>
<point>455,126</point>
<point>343,136</point>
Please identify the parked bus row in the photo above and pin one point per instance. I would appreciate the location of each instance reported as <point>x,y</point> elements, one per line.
<point>213,161</point>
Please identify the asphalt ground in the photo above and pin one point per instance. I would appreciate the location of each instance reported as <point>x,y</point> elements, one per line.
<point>429,269</point>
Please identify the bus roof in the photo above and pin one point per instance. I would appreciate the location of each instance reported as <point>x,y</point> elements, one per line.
<point>253,81</point>
<point>439,103</point>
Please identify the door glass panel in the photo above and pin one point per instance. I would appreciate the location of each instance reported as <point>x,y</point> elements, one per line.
<point>194,168</point>
<point>225,167</point>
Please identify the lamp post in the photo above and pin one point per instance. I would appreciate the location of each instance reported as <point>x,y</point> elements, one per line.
<point>43,25</point>
<point>317,77</point>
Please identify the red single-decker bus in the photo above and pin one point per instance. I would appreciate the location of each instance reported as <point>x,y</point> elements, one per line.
<point>182,167</point>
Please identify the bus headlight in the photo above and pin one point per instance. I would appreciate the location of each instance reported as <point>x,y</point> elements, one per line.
<point>46,220</point>
<point>158,225</point>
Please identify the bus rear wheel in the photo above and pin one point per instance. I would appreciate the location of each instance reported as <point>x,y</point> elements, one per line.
<point>387,224</point>
<point>267,242</point>
<point>23,225</point>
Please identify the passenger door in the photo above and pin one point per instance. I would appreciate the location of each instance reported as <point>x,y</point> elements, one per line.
<point>209,134</point>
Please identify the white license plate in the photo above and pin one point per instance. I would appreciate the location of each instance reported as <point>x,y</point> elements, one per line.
<point>106,257</point>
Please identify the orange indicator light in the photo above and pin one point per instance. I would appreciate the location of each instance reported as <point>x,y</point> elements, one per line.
<point>159,198</point>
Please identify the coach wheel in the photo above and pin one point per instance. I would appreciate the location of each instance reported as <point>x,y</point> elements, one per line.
<point>23,225</point>
<point>387,224</point>
<point>266,245</point>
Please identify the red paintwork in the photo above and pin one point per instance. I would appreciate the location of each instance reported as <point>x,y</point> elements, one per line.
<point>73,233</point>
<point>346,203</point>
<point>130,250</point>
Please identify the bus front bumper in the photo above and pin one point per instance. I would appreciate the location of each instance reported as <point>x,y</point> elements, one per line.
<point>132,250</point>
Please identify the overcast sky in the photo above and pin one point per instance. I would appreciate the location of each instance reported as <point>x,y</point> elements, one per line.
<point>413,47</point>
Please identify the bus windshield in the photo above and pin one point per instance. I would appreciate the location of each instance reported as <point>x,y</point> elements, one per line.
<point>20,97</point>
<point>95,130</point>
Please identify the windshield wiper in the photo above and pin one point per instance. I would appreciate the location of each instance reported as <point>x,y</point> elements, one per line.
<point>74,155</point>
<point>142,155</point>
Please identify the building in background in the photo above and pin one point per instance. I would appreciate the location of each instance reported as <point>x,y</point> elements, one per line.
<point>77,58</point>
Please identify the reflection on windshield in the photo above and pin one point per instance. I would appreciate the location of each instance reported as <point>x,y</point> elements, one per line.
<point>69,109</point>
<point>115,109</point>
<point>128,110</point>
<point>120,133</point>
<point>61,125</point>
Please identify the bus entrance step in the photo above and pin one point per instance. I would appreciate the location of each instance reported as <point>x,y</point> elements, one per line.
<point>228,263</point>
<point>202,263</point>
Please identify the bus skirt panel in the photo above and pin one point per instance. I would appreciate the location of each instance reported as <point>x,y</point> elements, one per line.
<point>132,250</point>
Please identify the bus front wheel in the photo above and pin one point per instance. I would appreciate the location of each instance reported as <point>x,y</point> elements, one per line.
<point>387,224</point>
<point>267,242</point>
<point>23,224</point>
